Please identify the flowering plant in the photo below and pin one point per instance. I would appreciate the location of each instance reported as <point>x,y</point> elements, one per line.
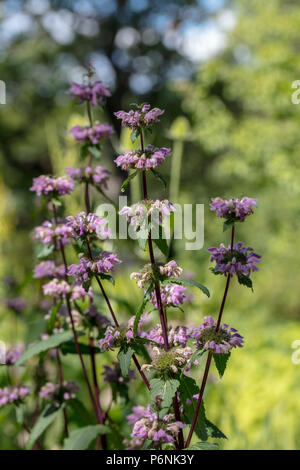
<point>149,346</point>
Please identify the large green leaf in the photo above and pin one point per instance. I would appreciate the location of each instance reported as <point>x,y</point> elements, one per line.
<point>81,438</point>
<point>124,357</point>
<point>221,362</point>
<point>187,389</point>
<point>190,282</point>
<point>167,388</point>
<point>47,417</point>
<point>127,181</point>
<point>51,343</point>
<point>213,430</point>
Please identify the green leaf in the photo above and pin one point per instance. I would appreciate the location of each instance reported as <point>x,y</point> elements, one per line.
<point>162,244</point>
<point>213,430</point>
<point>124,357</point>
<point>84,152</point>
<point>20,413</point>
<point>221,362</point>
<point>135,134</point>
<point>127,181</point>
<point>187,389</point>
<point>140,312</point>
<point>204,446</point>
<point>107,277</point>
<point>196,354</point>
<point>80,412</point>
<point>81,438</point>
<point>69,348</point>
<point>44,251</point>
<point>52,318</point>
<point>166,388</point>
<point>228,224</point>
<point>51,343</point>
<point>57,202</point>
<point>95,151</point>
<point>159,176</point>
<point>47,417</point>
<point>191,283</point>
<point>245,281</point>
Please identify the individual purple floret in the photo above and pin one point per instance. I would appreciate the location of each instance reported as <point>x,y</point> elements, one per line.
<point>50,186</point>
<point>92,134</point>
<point>233,208</point>
<point>49,270</point>
<point>13,354</point>
<point>172,295</point>
<point>97,176</point>
<point>57,393</point>
<point>114,375</point>
<point>13,394</point>
<point>104,263</point>
<point>240,260</point>
<point>88,224</point>
<point>50,233</point>
<point>218,342</point>
<point>141,117</point>
<point>94,93</point>
<point>151,158</point>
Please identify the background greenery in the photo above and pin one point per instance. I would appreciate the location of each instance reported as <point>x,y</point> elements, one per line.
<point>240,136</point>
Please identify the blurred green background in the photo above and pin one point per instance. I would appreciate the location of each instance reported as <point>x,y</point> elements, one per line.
<point>223,71</point>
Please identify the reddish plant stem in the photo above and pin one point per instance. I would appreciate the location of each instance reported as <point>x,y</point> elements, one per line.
<point>209,357</point>
<point>77,347</point>
<point>162,314</point>
<point>61,381</point>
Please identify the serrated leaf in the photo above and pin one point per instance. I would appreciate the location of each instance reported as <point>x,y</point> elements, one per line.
<point>47,417</point>
<point>187,389</point>
<point>50,343</point>
<point>190,282</point>
<point>95,151</point>
<point>221,362</point>
<point>167,388</point>
<point>107,277</point>
<point>127,181</point>
<point>159,176</point>
<point>124,357</point>
<point>245,281</point>
<point>204,446</point>
<point>81,438</point>
<point>214,431</point>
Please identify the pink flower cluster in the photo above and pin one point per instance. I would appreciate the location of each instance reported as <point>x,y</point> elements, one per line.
<point>13,394</point>
<point>241,260</point>
<point>104,263</point>
<point>151,158</point>
<point>172,295</point>
<point>49,233</point>
<point>138,213</point>
<point>141,117</point>
<point>13,354</point>
<point>57,393</point>
<point>60,289</point>
<point>94,93</point>
<point>92,134</point>
<point>114,337</point>
<point>219,342</point>
<point>147,425</point>
<point>97,175</point>
<point>170,269</point>
<point>88,224</point>
<point>49,269</point>
<point>233,208</point>
<point>50,186</point>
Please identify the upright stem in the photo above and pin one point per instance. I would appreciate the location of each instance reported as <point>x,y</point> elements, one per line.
<point>61,381</point>
<point>209,357</point>
<point>162,315</point>
<point>77,347</point>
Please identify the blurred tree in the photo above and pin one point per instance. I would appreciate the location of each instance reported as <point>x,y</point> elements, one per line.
<point>247,134</point>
